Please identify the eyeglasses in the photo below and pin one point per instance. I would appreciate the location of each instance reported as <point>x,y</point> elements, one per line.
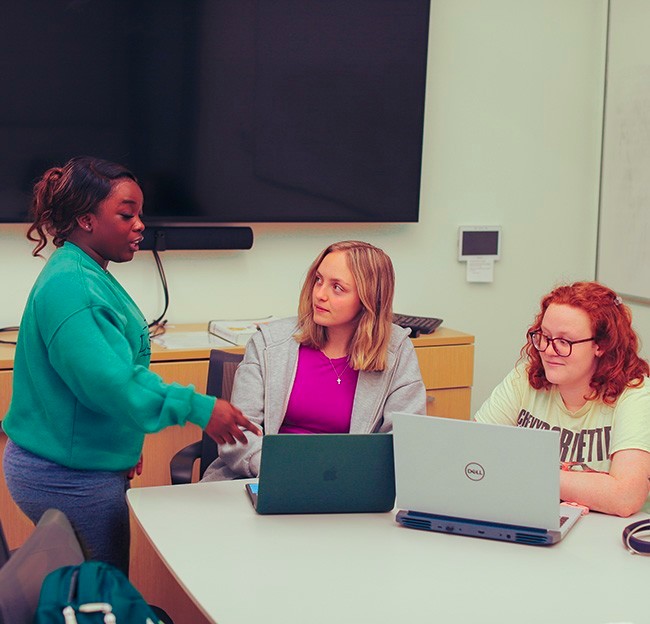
<point>561,346</point>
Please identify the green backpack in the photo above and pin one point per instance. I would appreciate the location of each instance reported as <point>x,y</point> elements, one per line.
<point>91,593</point>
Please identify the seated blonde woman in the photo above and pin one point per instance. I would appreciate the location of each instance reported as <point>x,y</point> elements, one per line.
<point>341,366</point>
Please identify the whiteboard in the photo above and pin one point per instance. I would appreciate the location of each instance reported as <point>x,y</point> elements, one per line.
<point>624,225</point>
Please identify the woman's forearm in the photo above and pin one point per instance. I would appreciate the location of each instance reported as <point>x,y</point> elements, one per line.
<point>603,492</point>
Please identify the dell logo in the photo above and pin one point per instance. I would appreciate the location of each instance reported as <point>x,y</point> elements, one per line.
<point>474,471</point>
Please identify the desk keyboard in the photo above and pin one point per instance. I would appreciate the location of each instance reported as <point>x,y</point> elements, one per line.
<point>417,324</point>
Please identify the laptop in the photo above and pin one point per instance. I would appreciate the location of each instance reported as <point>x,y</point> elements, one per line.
<point>325,473</point>
<point>490,481</point>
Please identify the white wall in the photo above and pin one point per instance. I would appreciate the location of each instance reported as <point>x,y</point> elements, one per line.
<point>625,219</point>
<point>512,138</point>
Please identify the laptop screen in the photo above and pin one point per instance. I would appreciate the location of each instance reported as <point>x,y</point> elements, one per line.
<point>473,470</point>
<point>326,473</point>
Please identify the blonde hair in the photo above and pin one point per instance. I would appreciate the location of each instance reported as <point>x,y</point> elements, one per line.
<point>374,278</point>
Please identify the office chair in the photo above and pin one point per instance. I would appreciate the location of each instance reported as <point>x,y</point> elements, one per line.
<point>4,548</point>
<point>52,544</point>
<point>221,374</point>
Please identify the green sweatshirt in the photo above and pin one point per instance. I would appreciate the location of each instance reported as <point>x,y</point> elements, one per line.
<point>83,395</point>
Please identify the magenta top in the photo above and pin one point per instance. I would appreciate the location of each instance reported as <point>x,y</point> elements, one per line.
<point>318,403</point>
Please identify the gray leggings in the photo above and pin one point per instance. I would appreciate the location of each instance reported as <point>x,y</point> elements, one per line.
<point>94,501</point>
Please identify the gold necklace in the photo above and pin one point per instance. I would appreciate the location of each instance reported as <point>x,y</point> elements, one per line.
<point>338,375</point>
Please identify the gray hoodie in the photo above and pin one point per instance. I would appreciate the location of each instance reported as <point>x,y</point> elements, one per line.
<point>264,380</point>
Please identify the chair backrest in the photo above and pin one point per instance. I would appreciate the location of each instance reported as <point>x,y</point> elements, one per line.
<point>221,375</point>
<point>4,548</point>
<point>52,544</point>
<point>221,372</point>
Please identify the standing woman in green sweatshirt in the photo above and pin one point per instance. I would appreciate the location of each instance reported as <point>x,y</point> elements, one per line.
<point>83,395</point>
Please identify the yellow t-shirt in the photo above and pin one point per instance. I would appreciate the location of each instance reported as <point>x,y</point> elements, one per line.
<point>588,437</point>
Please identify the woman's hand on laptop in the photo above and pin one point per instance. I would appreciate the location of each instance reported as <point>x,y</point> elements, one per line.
<point>227,424</point>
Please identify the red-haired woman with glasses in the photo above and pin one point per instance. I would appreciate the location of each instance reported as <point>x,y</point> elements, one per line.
<point>581,375</point>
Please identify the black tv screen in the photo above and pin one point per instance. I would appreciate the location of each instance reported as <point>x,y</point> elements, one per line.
<point>228,111</point>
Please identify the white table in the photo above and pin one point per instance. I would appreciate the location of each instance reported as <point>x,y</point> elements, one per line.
<point>240,567</point>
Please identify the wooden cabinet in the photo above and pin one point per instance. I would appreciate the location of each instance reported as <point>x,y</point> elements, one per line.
<point>5,391</point>
<point>15,525</point>
<point>6,368</point>
<point>446,360</point>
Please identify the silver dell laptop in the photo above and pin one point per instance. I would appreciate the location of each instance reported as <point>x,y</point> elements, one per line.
<point>468,478</point>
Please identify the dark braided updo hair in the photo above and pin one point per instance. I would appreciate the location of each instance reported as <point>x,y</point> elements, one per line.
<point>63,194</point>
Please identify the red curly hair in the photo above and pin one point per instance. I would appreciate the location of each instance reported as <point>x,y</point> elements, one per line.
<point>619,366</point>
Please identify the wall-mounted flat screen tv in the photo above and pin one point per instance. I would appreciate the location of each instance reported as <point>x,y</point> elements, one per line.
<point>228,111</point>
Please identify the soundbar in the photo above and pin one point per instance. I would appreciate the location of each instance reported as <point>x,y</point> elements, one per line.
<point>194,237</point>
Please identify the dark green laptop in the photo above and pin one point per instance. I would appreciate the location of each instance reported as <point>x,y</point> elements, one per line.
<point>325,473</point>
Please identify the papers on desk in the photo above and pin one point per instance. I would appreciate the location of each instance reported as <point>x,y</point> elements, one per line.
<point>237,331</point>
<point>190,340</point>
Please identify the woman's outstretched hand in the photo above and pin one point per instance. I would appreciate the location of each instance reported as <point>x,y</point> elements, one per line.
<point>227,424</point>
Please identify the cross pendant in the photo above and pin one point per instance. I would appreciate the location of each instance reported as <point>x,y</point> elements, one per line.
<point>338,381</point>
